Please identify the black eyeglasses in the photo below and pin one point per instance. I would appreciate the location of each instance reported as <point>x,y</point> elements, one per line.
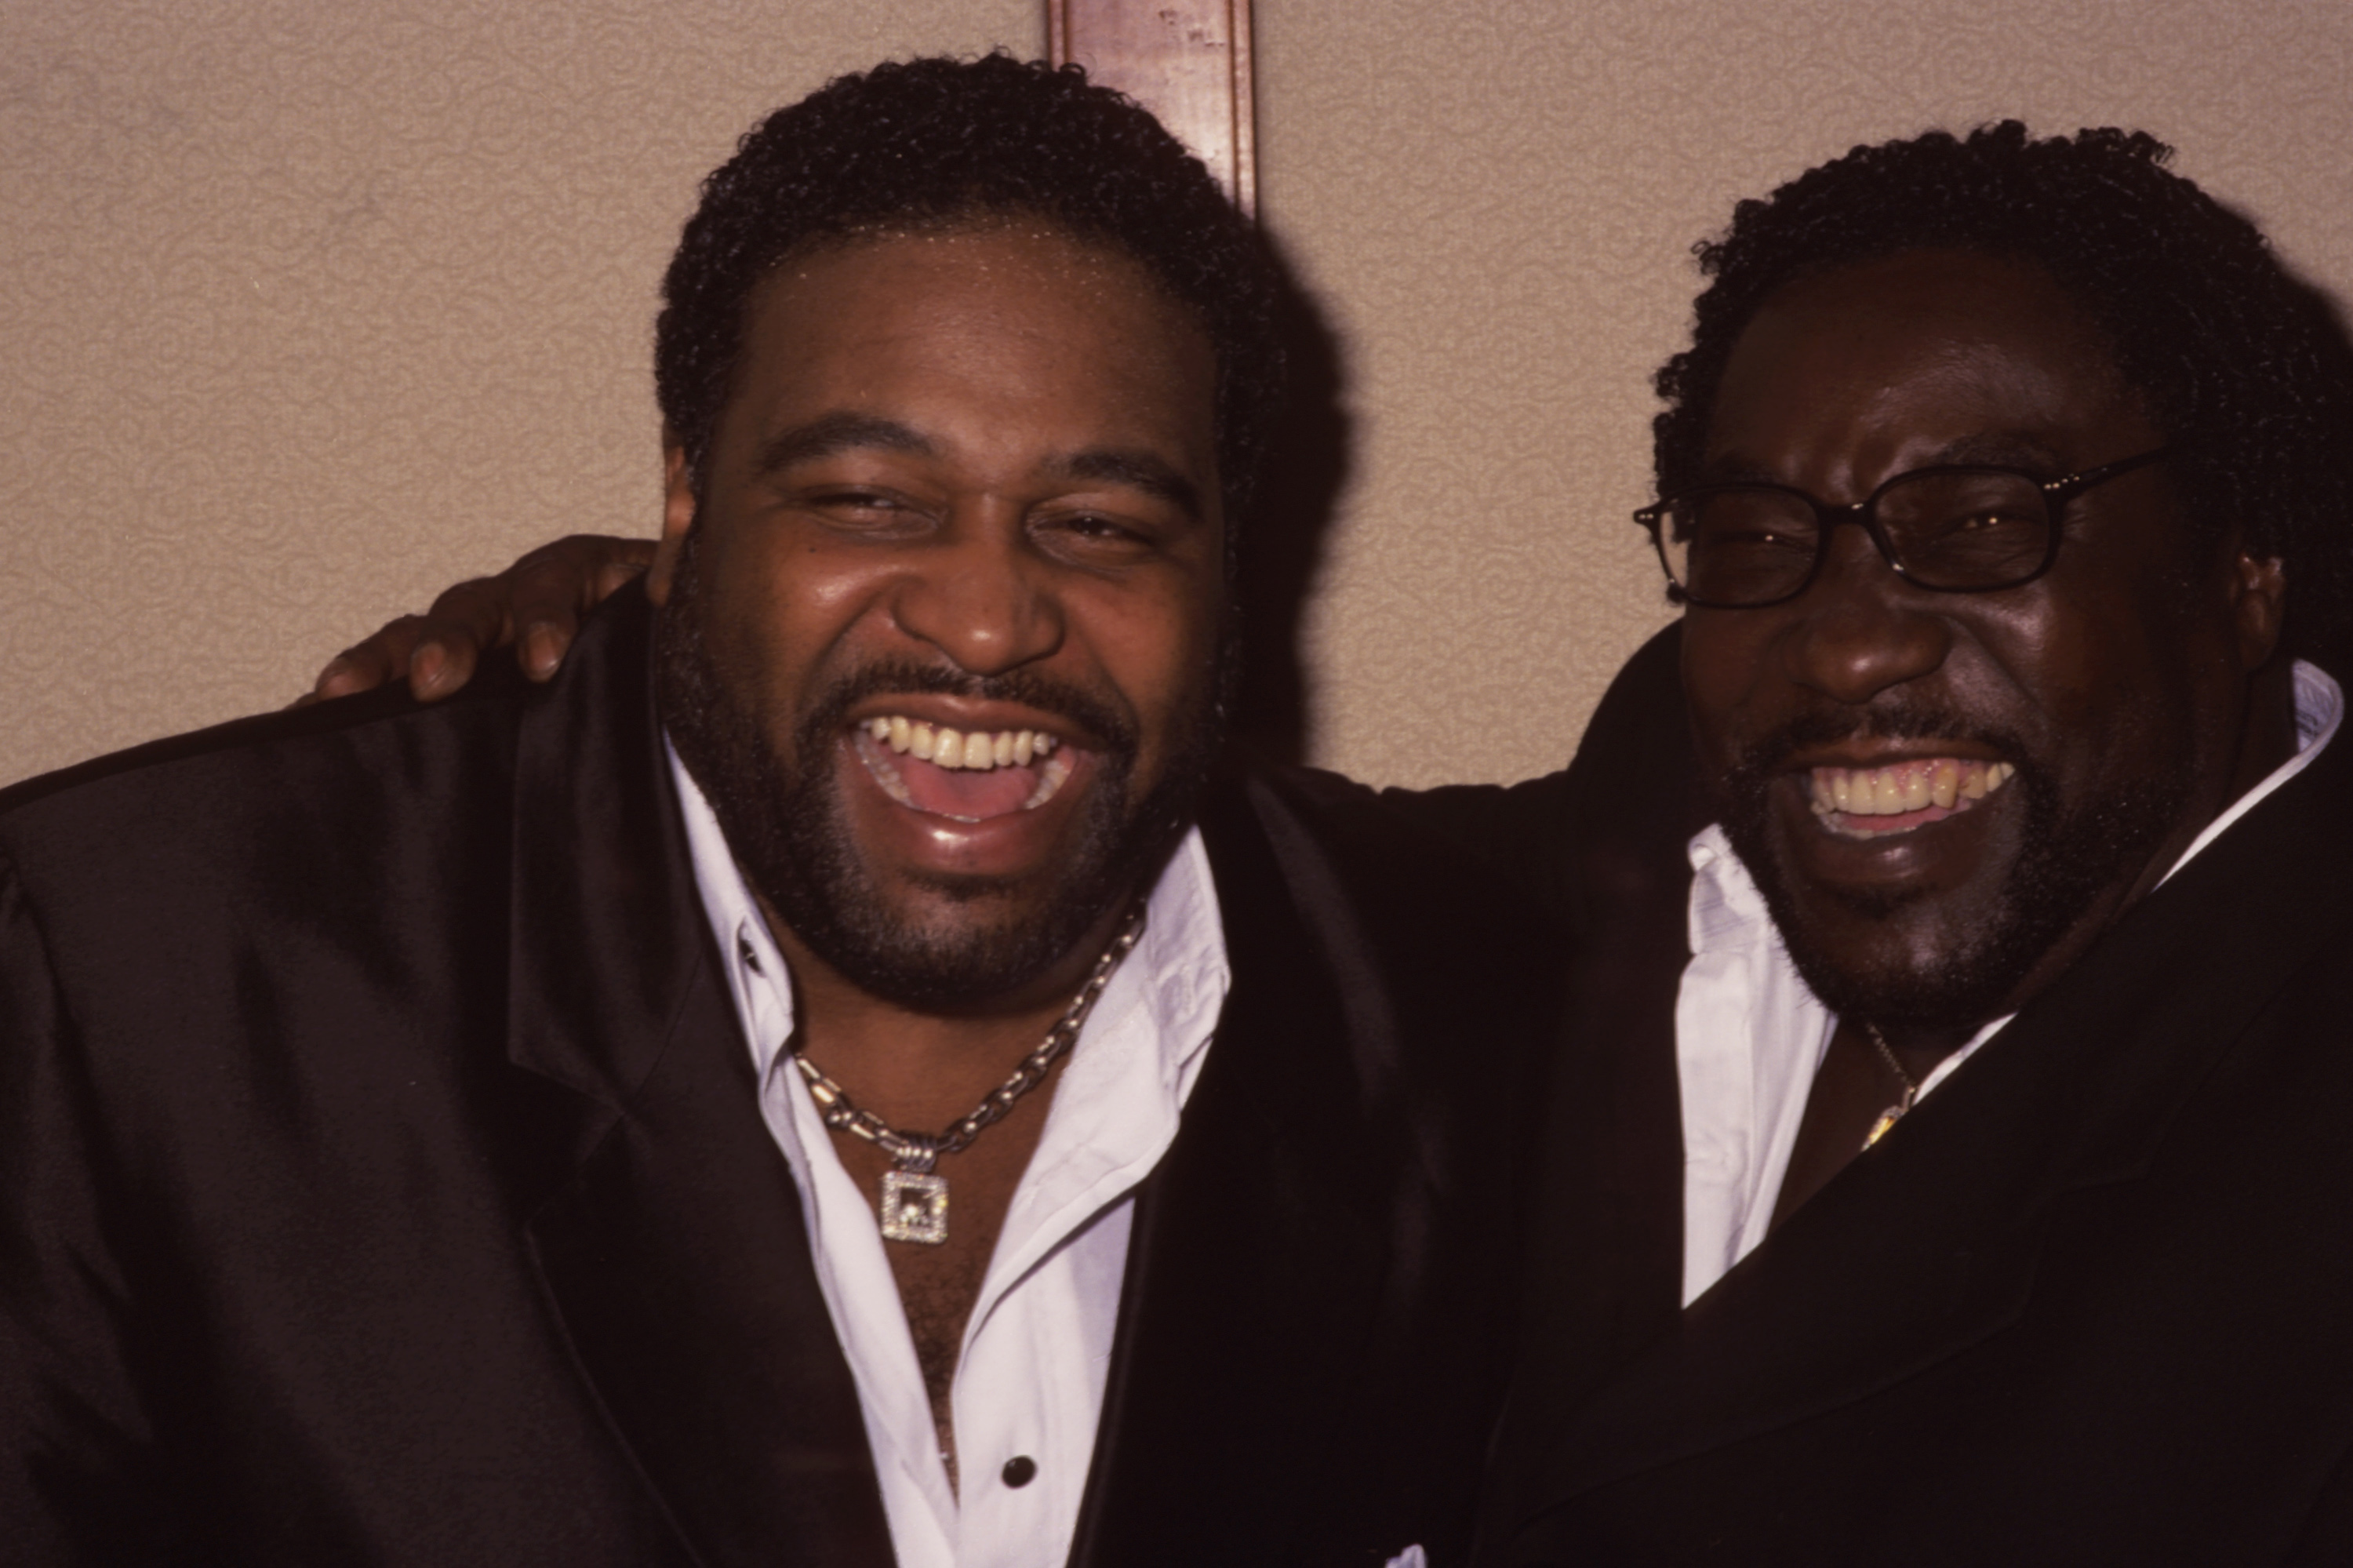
<point>1954,529</point>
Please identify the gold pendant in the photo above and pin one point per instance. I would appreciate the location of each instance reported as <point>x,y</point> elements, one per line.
<point>915,1207</point>
<point>1887,1118</point>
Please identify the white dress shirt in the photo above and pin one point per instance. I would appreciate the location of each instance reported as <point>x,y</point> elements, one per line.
<point>1749,1036</point>
<point>1029,1382</point>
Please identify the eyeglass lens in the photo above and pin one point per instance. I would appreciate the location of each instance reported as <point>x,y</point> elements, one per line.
<point>1968,528</point>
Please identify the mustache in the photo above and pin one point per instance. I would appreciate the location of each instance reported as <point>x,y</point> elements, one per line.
<point>1765,755</point>
<point>1047,693</point>
<point>1089,713</point>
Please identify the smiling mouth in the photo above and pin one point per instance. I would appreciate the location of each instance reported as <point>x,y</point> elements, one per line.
<point>1874,802</point>
<point>967,776</point>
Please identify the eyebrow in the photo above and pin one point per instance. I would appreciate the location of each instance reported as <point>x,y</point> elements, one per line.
<point>831,434</point>
<point>1998,448</point>
<point>836,433</point>
<point>1986,449</point>
<point>1137,470</point>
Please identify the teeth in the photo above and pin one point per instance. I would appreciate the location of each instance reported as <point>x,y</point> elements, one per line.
<point>1049,778</point>
<point>877,763</point>
<point>1947,782</point>
<point>978,749</point>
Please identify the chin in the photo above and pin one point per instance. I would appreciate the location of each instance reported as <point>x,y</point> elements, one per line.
<point>1906,975</point>
<point>1930,961</point>
<point>937,944</point>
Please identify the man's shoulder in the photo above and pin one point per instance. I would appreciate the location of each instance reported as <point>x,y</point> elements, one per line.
<point>326,729</point>
<point>1368,878</point>
<point>1575,844</point>
<point>359,772</point>
<point>268,770</point>
<point>1367,838</point>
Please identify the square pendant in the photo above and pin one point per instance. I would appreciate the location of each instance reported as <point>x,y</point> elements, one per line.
<point>915,1207</point>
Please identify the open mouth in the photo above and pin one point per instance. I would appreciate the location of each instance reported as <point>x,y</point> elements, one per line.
<point>967,775</point>
<point>1874,802</point>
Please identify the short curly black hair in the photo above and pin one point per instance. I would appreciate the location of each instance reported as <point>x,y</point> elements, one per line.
<point>2246,366</point>
<point>927,142</point>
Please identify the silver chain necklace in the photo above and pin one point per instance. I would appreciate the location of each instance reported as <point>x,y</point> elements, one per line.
<point>915,1206</point>
<point>1893,1113</point>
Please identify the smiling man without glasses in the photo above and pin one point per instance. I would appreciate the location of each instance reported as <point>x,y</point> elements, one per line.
<point>830,1080</point>
<point>1990,1044</point>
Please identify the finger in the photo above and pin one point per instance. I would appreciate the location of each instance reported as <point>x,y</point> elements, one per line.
<point>473,615</point>
<point>629,560</point>
<point>465,621</point>
<point>444,660</point>
<point>371,663</point>
<point>553,585</point>
<point>549,590</point>
<point>543,650</point>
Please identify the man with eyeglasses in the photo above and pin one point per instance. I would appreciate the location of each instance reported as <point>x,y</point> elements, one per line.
<point>1948,1158</point>
<point>1945,1157</point>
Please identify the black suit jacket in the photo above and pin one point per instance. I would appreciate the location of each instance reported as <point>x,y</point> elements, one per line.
<point>382,1177</point>
<point>2091,1303</point>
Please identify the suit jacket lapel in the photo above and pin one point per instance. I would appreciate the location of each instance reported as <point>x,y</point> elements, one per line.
<point>1927,1245</point>
<point>1604,1272</point>
<point>1254,1272</point>
<point>670,1239</point>
<point>1612,1176</point>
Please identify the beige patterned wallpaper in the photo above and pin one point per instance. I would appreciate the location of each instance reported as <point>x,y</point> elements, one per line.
<point>310,309</point>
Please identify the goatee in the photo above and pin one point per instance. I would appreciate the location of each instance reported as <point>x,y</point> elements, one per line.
<point>2068,857</point>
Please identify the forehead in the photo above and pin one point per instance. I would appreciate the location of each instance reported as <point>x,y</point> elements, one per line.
<point>1006,315</point>
<point>1924,356</point>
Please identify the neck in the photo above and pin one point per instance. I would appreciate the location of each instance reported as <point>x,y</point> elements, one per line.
<point>920,1068</point>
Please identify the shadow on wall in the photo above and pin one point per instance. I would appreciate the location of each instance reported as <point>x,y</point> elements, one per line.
<point>2320,606</point>
<point>1283,540</point>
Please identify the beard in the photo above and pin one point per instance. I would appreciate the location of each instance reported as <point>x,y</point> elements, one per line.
<point>787,823</point>
<point>2069,856</point>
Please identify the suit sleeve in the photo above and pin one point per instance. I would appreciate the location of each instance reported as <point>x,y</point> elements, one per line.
<point>75,1445</point>
<point>1629,797</point>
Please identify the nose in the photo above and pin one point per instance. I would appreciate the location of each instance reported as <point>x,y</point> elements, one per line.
<point>982,596</point>
<point>1859,630</point>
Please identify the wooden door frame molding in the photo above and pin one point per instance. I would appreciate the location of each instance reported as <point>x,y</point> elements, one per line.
<point>1189,61</point>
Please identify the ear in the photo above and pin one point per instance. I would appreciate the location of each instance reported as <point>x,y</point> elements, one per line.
<point>2258,588</point>
<point>677,517</point>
